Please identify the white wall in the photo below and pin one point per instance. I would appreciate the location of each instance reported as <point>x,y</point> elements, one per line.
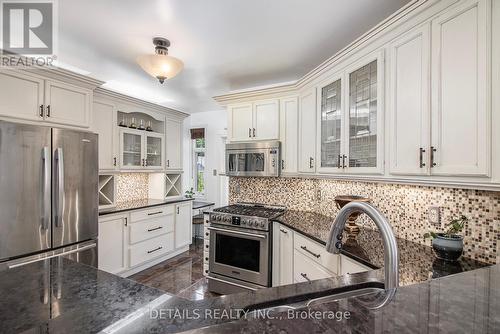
<point>215,124</point>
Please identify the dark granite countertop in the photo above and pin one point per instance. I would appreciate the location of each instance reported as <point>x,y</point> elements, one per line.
<point>140,204</point>
<point>61,296</point>
<point>417,262</point>
<point>201,204</point>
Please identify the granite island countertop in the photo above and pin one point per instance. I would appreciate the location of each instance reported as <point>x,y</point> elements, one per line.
<point>417,262</point>
<point>47,297</point>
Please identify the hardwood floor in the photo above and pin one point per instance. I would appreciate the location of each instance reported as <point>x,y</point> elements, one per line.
<point>181,276</point>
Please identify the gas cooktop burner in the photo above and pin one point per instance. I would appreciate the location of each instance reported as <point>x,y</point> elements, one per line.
<point>254,210</point>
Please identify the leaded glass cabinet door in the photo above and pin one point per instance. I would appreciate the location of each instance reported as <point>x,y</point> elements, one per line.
<point>330,125</point>
<point>364,119</point>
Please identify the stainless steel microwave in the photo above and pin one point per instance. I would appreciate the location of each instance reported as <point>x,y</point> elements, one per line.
<point>253,158</point>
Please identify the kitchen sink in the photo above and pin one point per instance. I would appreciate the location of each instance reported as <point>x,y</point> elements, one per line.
<point>313,299</point>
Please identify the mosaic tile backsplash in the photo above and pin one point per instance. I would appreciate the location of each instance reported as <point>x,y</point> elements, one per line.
<point>131,186</point>
<point>406,206</point>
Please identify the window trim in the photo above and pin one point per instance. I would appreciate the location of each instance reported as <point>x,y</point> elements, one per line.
<point>194,151</point>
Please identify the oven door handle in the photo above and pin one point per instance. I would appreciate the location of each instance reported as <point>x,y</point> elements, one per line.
<point>231,283</point>
<point>238,232</point>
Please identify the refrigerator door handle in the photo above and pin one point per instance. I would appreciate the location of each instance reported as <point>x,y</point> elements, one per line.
<point>60,186</point>
<point>46,188</point>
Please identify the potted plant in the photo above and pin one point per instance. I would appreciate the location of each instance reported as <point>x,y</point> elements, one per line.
<point>189,193</point>
<point>449,245</point>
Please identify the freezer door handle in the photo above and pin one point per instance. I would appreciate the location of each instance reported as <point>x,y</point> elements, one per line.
<point>60,186</point>
<point>46,188</point>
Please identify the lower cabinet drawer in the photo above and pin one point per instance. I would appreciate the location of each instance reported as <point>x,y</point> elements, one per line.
<point>150,249</point>
<point>304,269</point>
<point>316,252</point>
<point>151,213</point>
<point>147,229</point>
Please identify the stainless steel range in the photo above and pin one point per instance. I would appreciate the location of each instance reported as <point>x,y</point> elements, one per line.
<point>240,247</point>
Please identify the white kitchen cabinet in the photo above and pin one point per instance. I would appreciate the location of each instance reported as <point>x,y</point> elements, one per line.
<point>254,121</point>
<point>173,138</point>
<point>266,120</point>
<point>307,132</point>
<point>349,266</point>
<point>111,244</point>
<point>21,96</point>
<point>104,123</point>
<point>141,150</point>
<point>288,134</point>
<point>183,224</point>
<point>409,104</point>
<point>282,255</point>
<point>461,71</point>
<point>67,104</point>
<point>330,126</point>
<point>240,123</point>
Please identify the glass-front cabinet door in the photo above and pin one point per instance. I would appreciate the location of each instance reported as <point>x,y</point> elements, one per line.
<point>363,120</point>
<point>154,151</point>
<point>330,126</point>
<point>350,121</point>
<point>131,149</point>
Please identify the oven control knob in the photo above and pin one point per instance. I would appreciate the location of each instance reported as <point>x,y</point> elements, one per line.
<point>227,219</point>
<point>262,224</point>
<point>219,217</point>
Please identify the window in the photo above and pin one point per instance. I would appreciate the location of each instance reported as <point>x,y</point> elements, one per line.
<point>199,150</point>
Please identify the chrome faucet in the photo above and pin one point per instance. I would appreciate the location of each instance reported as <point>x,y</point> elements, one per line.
<point>391,258</point>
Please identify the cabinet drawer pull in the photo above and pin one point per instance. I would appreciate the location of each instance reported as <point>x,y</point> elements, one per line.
<point>48,110</point>
<point>41,111</point>
<point>249,133</point>
<point>311,160</point>
<point>114,161</point>
<point>283,231</point>
<point>421,157</point>
<point>305,276</point>
<point>282,164</point>
<point>154,213</point>
<point>338,161</point>
<point>156,228</point>
<point>433,150</point>
<point>344,158</point>
<point>312,253</point>
<point>154,250</point>
<point>254,132</point>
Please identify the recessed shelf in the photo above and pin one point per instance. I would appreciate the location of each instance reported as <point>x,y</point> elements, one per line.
<point>106,191</point>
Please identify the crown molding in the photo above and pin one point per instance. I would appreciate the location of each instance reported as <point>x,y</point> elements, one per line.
<point>104,92</point>
<point>65,75</point>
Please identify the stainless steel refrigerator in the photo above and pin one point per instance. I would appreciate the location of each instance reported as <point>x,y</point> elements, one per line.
<point>48,194</point>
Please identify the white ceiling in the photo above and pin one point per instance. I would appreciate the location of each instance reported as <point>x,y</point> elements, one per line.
<point>225,44</point>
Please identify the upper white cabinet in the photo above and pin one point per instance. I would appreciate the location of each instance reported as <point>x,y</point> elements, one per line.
<point>461,138</point>
<point>33,98</point>
<point>104,123</point>
<point>350,137</point>
<point>409,102</point>
<point>67,104</point>
<point>21,96</point>
<point>141,150</point>
<point>254,121</point>
<point>307,132</point>
<point>288,134</point>
<point>174,144</point>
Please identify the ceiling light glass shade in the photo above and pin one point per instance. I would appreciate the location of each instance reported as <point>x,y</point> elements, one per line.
<point>160,66</point>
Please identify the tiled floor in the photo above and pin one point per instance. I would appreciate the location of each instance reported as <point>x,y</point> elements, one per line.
<point>181,276</point>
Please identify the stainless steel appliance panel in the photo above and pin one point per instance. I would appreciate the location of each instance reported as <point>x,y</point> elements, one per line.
<point>253,159</point>
<point>25,181</point>
<point>74,186</point>
<point>239,253</point>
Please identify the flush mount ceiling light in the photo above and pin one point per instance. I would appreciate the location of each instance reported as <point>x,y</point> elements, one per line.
<point>160,65</point>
